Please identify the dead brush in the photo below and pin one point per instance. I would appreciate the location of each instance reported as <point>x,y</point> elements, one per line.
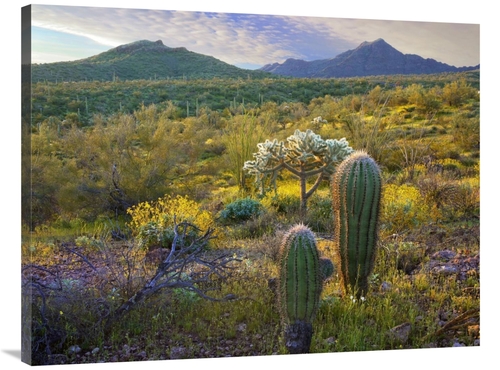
<point>437,190</point>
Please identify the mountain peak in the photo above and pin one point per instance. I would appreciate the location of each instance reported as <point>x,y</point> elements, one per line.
<point>142,59</point>
<point>370,58</point>
<point>377,44</point>
<point>141,45</point>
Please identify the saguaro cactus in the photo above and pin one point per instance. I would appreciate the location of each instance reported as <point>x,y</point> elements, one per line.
<point>356,193</point>
<point>299,287</point>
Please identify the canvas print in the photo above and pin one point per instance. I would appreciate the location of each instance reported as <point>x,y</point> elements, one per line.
<point>205,185</point>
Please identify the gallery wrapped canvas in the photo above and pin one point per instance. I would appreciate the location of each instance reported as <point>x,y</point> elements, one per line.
<point>202,185</point>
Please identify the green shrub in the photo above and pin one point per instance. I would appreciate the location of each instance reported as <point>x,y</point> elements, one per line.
<point>241,210</point>
<point>320,214</point>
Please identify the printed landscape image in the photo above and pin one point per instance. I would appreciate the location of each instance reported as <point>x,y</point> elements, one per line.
<point>257,186</point>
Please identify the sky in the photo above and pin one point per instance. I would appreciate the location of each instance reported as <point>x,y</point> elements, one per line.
<point>63,33</point>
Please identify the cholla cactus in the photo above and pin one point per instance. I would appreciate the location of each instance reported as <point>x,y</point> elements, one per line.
<point>299,287</point>
<point>356,193</point>
<point>305,156</point>
<point>318,121</point>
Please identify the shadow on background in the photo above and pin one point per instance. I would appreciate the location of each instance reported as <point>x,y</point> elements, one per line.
<point>16,353</point>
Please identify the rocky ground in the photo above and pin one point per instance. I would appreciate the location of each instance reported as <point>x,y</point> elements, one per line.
<point>71,265</point>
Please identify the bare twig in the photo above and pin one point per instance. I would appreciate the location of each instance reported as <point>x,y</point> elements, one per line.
<point>171,272</point>
<point>456,323</point>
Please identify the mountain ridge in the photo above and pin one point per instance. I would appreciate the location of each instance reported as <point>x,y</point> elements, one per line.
<point>143,59</point>
<point>368,59</point>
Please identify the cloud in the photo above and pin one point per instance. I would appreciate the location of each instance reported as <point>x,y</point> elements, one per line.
<point>252,39</point>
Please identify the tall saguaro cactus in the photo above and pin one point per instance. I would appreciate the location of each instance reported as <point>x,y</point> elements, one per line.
<point>299,287</point>
<point>356,194</point>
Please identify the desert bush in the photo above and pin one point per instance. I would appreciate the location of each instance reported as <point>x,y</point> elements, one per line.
<point>320,215</point>
<point>406,255</point>
<point>465,131</point>
<point>241,210</point>
<point>438,191</point>
<point>403,209</point>
<point>152,223</point>
<point>285,201</point>
<point>466,201</point>
<point>240,138</point>
<point>450,164</point>
<point>255,227</point>
<point>369,133</point>
<point>457,92</point>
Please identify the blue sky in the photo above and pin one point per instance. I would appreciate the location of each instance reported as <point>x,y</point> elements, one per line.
<point>62,33</point>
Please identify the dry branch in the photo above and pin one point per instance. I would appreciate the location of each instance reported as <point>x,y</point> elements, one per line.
<point>185,268</point>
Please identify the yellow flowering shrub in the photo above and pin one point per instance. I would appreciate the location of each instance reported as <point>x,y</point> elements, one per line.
<point>153,222</point>
<point>287,199</point>
<point>403,208</point>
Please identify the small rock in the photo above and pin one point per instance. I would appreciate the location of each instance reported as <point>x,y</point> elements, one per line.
<point>457,344</point>
<point>430,345</point>
<point>74,349</point>
<point>401,332</point>
<point>444,315</point>
<point>330,340</point>
<point>177,353</point>
<point>444,270</point>
<point>445,255</point>
<point>385,286</point>
<point>95,350</point>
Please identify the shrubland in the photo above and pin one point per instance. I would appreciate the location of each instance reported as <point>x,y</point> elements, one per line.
<point>130,183</point>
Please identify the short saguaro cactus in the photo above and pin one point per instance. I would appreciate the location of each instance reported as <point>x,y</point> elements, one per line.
<point>299,287</point>
<point>356,194</point>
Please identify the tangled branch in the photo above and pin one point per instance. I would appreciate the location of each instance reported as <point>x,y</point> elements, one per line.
<point>184,267</point>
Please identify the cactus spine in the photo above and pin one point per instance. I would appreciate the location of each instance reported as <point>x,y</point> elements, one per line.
<point>299,287</point>
<point>356,193</point>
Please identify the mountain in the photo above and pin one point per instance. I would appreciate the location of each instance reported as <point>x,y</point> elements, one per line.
<point>141,60</point>
<point>368,59</point>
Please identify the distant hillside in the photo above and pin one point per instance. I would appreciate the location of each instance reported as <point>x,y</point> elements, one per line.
<point>141,60</point>
<point>368,59</point>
